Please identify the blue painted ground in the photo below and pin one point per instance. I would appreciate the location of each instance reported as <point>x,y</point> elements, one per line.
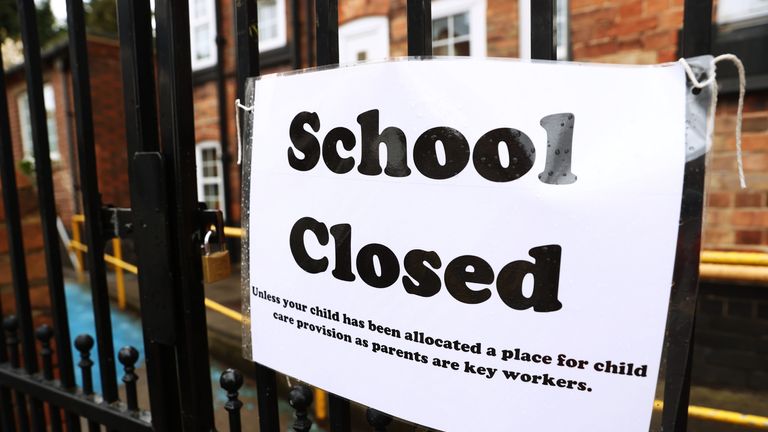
<point>126,330</point>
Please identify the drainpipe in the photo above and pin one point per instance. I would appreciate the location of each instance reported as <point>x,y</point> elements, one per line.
<point>68,115</point>
<point>221,90</point>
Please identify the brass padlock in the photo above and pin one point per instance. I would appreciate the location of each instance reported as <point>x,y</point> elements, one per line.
<point>216,264</point>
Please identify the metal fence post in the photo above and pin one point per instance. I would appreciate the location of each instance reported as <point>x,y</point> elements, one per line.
<point>47,203</point>
<point>178,138</point>
<point>150,210</point>
<point>696,40</point>
<point>89,187</point>
<point>419,28</point>
<point>543,42</point>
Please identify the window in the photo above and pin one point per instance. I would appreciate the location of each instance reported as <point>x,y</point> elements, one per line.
<point>202,29</point>
<point>742,29</point>
<point>458,28</point>
<point>364,39</point>
<point>25,122</point>
<point>272,24</point>
<point>202,33</point>
<point>210,175</point>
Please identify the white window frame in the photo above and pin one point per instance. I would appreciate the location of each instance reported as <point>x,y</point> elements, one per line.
<point>478,37</point>
<point>373,30</point>
<point>209,18</point>
<point>734,11</point>
<point>281,38</point>
<point>217,180</point>
<point>25,124</point>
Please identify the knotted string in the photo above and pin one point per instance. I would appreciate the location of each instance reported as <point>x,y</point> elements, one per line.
<point>711,80</point>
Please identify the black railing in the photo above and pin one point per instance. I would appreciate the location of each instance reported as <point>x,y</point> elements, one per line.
<point>166,226</point>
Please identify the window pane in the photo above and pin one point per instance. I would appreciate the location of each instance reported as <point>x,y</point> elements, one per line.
<point>211,169</point>
<point>25,124</point>
<point>202,42</point>
<point>198,8</point>
<point>211,190</point>
<point>440,50</point>
<point>267,19</point>
<point>450,35</point>
<point>461,49</point>
<point>267,9</point>
<point>461,24</point>
<point>440,29</point>
<point>50,114</point>
<point>209,154</point>
<point>213,203</point>
<point>53,137</point>
<point>267,30</point>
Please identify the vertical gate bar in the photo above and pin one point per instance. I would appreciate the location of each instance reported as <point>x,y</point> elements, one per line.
<point>697,28</point>
<point>221,93</point>
<point>339,413</point>
<point>327,35</point>
<point>696,40</point>
<point>296,26</point>
<point>44,174</point>
<point>419,28</point>
<point>327,22</point>
<point>152,242</point>
<point>89,188</point>
<point>247,43</point>
<point>44,334</point>
<point>310,28</point>
<point>11,330</point>
<point>266,391</point>
<point>543,43</point>
<point>247,49</point>
<point>178,138</point>
<point>15,240</point>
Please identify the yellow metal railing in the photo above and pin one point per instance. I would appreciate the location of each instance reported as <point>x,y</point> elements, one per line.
<point>722,416</point>
<point>715,265</point>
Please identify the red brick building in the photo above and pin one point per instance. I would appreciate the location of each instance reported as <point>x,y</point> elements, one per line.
<point>109,132</point>
<point>619,31</point>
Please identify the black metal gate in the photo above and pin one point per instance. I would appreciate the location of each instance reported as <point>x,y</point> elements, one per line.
<point>166,223</point>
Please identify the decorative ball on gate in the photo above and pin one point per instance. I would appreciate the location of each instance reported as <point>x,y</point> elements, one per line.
<point>84,343</point>
<point>11,323</point>
<point>300,397</point>
<point>44,333</point>
<point>231,380</point>
<point>128,356</point>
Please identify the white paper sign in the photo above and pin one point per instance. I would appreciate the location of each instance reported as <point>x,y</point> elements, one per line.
<point>469,244</point>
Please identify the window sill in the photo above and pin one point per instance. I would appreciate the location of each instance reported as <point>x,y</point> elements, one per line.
<point>267,59</point>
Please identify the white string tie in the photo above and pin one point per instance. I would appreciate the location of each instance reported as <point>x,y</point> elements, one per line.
<point>238,107</point>
<point>711,80</point>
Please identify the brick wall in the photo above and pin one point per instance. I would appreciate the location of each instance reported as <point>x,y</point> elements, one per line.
<point>109,121</point>
<point>34,256</point>
<point>53,75</point>
<point>626,31</point>
<point>646,32</point>
<point>111,157</point>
